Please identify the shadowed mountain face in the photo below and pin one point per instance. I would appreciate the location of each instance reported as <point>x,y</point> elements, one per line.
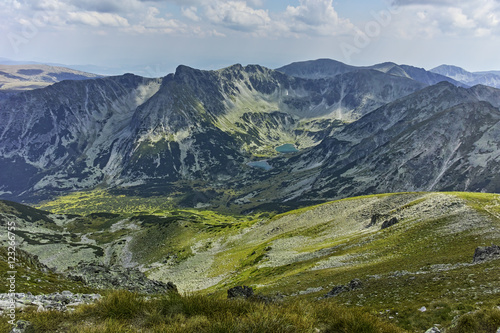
<point>376,129</point>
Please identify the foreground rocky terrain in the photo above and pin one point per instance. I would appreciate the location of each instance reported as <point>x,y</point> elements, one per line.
<point>395,251</point>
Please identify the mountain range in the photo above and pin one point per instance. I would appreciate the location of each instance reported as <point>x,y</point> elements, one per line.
<point>203,136</point>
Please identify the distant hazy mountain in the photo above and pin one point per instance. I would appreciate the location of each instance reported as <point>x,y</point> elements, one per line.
<point>327,68</point>
<point>14,78</point>
<point>316,69</point>
<point>491,78</point>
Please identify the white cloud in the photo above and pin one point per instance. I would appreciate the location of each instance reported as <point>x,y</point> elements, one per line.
<point>423,2</point>
<point>121,15</point>
<point>481,32</point>
<point>14,4</point>
<point>237,15</point>
<point>310,17</point>
<point>190,13</point>
<point>459,19</point>
<point>187,2</point>
<point>153,22</point>
<point>49,5</point>
<point>317,17</point>
<point>211,17</point>
<point>453,18</point>
<point>97,19</point>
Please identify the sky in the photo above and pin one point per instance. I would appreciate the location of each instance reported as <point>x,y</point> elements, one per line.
<point>153,37</point>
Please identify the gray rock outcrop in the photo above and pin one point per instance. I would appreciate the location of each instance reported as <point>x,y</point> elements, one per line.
<point>389,223</point>
<point>20,326</point>
<point>484,253</point>
<point>337,290</point>
<point>117,277</point>
<point>240,292</point>
<point>56,301</point>
<point>433,330</point>
<point>375,219</point>
<point>355,284</point>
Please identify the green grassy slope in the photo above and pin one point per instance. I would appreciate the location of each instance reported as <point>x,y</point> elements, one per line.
<point>424,260</point>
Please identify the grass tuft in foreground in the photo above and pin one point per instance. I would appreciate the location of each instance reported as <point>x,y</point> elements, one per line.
<point>484,321</point>
<point>122,311</point>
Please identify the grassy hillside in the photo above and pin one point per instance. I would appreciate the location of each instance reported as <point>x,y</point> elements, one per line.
<point>33,277</point>
<point>425,260</point>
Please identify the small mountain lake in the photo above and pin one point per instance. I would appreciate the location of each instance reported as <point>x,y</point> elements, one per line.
<point>260,164</point>
<point>286,149</point>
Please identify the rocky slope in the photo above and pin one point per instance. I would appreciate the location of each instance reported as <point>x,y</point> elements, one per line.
<point>64,135</point>
<point>440,138</point>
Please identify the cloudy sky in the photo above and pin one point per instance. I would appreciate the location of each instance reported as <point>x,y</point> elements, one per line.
<point>152,37</point>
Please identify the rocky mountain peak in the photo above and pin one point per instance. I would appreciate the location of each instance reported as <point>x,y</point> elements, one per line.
<point>450,70</point>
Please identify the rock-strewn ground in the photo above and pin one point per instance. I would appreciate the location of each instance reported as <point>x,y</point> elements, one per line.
<point>56,301</point>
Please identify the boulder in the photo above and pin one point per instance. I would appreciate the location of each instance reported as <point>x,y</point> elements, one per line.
<point>484,253</point>
<point>337,290</point>
<point>433,330</point>
<point>20,326</point>
<point>66,293</point>
<point>389,223</point>
<point>375,219</point>
<point>353,285</point>
<point>240,292</point>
